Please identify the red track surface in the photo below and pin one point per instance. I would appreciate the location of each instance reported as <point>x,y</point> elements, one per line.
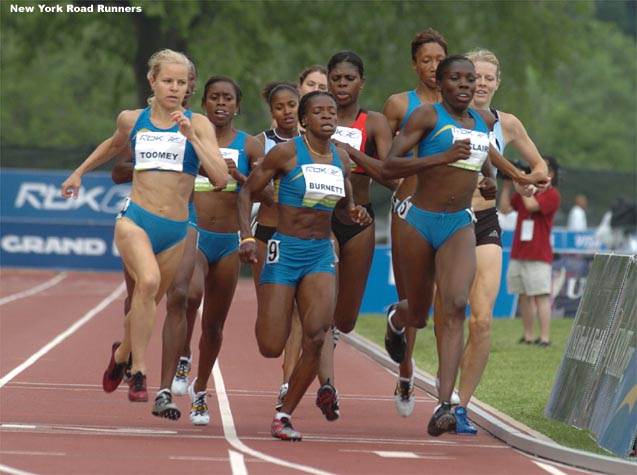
<point>56,419</point>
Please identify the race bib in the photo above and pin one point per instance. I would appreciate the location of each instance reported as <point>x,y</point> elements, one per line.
<point>124,208</point>
<point>526,232</point>
<point>479,148</point>
<point>230,154</point>
<point>324,184</point>
<point>403,207</point>
<point>203,184</point>
<point>273,251</point>
<point>160,151</point>
<point>348,135</point>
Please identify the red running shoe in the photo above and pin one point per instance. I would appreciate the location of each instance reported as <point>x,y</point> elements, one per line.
<point>114,373</point>
<point>327,402</point>
<point>137,388</point>
<point>282,429</point>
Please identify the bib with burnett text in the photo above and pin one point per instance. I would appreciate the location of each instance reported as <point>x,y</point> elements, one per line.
<point>324,184</point>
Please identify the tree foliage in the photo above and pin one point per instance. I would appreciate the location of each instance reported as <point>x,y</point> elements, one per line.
<point>569,77</point>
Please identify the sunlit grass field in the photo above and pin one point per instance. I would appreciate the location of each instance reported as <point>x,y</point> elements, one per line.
<point>518,379</point>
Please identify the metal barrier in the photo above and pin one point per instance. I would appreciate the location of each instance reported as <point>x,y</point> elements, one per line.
<point>596,385</point>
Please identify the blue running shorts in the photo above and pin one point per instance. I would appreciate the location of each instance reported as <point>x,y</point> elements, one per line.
<point>289,259</point>
<point>436,228</point>
<point>163,233</point>
<point>216,246</point>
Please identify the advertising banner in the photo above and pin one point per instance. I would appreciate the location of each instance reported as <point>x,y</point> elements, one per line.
<point>571,266</point>
<point>40,229</point>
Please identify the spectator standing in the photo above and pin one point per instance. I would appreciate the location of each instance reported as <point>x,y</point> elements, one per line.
<point>577,215</point>
<point>529,272</point>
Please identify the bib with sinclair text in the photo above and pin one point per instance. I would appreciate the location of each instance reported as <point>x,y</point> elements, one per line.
<point>479,148</point>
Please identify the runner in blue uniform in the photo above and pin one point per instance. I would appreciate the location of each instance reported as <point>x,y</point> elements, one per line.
<point>217,270</point>
<point>453,146</point>
<point>169,143</point>
<point>174,330</point>
<point>311,179</point>
<point>428,48</point>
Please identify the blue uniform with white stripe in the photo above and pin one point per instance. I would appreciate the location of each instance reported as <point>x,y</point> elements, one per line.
<point>143,124</point>
<point>308,185</point>
<point>157,149</point>
<point>216,246</point>
<point>413,101</point>
<point>436,228</point>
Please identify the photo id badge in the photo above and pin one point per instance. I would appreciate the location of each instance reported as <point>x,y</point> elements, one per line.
<point>526,233</point>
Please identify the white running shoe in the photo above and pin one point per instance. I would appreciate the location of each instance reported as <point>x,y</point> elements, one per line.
<point>336,335</point>
<point>283,390</point>
<point>179,386</point>
<point>404,396</point>
<point>199,414</point>
<point>455,398</point>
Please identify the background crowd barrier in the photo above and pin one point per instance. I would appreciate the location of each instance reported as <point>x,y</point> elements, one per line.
<point>40,229</point>
<point>573,252</point>
<point>596,385</point>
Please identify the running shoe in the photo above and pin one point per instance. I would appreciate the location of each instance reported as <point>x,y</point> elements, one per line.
<point>179,386</point>
<point>128,371</point>
<point>463,426</point>
<point>282,429</point>
<point>443,420</point>
<point>395,342</point>
<point>165,407</point>
<point>137,388</point>
<point>404,396</point>
<point>114,373</point>
<point>199,414</point>
<point>327,402</point>
<point>336,335</point>
<point>283,390</point>
<point>455,397</point>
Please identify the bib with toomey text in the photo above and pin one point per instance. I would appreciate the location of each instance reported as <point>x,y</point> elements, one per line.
<point>160,151</point>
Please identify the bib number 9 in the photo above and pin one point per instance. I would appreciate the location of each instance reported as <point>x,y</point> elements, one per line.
<point>272,254</point>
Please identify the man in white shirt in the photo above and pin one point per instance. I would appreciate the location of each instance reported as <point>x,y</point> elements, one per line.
<point>577,214</point>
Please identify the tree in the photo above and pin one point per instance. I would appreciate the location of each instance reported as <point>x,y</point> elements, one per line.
<point>88,67</point>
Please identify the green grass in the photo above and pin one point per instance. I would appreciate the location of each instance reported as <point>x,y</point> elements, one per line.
<point>518,379</point>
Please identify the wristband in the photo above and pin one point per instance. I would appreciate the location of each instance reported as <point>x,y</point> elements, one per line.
<point>245,240</point>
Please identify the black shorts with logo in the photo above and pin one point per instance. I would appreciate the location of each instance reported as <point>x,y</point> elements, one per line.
<point>487,227</point>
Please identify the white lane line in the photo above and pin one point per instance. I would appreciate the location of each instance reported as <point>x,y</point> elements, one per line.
<point>231,434</point>
<point>64,335</point>
<point>237,463</point>
<point>198,459</point>
<point>34,290</point>
<point>13,471</point>
<point>549,468</point>
<point>120,430</point>
<point>395,455</point>
<point>105,431</point>
<point>26,452</point>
